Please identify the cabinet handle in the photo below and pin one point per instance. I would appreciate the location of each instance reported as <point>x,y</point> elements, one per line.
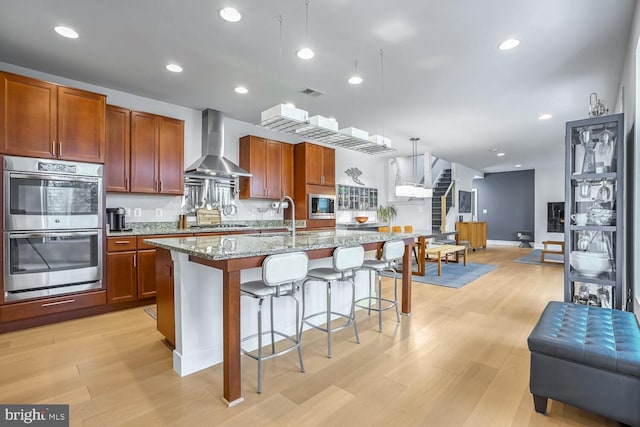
<point>126,183</point>
<point>134,261</point>
<point>160,186</point>
<point>156,185</point>
<point>122,242</point>
<point>170,270</point>
<point>59,148</point>
<point>58,303</point>
<point>53,147</point>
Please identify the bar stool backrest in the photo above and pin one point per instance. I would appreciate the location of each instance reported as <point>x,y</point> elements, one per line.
<point>396,229</point>
<point>348,258</point>
<point>392,250</point>
<point>284,268</point>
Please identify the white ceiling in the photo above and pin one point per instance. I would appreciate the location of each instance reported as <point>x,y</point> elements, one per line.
<point>444,79</point>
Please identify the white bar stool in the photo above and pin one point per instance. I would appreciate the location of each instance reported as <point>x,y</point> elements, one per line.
<point>392,252</point>
<point>346,261</point>
<point>279,274</point>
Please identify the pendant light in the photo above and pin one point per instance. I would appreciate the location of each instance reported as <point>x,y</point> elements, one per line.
<point>355,79</point>
<point>413,188</point>
<point>305,52</point>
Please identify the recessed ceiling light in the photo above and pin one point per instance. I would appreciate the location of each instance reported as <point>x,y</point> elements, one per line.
<point>355,80</point>
<point>66,32</point>
<point>290,105</point>
<point>545,116</point>
<point>230,14</point>
<point>174,68</point>
<point>241,90</point>
<point>305,53</point>
<point>517,166</point>
<point>500,154</point>
<point>509,44</point>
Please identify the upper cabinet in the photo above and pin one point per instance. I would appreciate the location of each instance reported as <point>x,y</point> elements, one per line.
<point>271,166</point>
<point>40,119</point>
<point>318,164</point>
<point>145,153</point>
<point>118,157</point>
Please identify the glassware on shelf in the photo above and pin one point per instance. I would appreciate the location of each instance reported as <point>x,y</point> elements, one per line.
<point>589,162</point>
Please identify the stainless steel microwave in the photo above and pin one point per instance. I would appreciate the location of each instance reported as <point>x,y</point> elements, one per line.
<point>322,206</point>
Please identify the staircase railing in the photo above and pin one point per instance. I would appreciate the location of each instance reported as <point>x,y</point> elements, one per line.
<point>443,206</point>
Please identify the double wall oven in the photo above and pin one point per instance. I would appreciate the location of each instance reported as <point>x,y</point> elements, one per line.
<point>53,220</point>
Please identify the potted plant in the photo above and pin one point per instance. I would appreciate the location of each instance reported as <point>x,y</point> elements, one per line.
<point>386,214</point>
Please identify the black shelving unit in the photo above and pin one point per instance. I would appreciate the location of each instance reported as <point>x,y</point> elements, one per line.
<point>594,197</point>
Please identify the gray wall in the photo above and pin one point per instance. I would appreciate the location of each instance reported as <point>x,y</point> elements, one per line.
<point>508,198</point>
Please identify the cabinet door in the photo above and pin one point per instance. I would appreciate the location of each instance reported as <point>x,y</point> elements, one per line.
<point>287,169</point>
<point>165,295</point>
<point>28,111</point>
<point>273,169</point>
<point>118,154</point>
<point>170,156</point>
<point>314,160</point>
<point>328,166</point>
<point>121,277</point>
<point>253,154</point>
<point>81,128</point>
<point>144,155</point>
<point>146,273</point>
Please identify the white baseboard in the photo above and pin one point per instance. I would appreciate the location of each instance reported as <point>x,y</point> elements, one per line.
<point>503,242</point>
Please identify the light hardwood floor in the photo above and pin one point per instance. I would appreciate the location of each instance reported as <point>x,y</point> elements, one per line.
<point>461,359</point>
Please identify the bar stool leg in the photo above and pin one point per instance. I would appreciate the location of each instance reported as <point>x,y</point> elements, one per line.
<point>329,319</point>
<point>299,333</point>
<point>353,308</point>
<point>273,338</point>
<point>370,285</point>
<point>379,301</point>
<point>260,301</point>
<point>395,293</point>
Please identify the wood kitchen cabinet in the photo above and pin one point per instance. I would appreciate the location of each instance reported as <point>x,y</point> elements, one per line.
<point>271,165</point>
<point>131,268</point>
<point>157,152</point>
<point>318,164</point>
<point>41,119</point>
<point>473,232</point>
<point>118,155</point>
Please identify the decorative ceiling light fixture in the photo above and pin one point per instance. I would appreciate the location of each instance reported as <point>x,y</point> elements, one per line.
<point>509,44</point>
<point>413,189</point>
<point>66,32</point>
<point>230,14</point>
<point>174,68</point>
<point>306,52</point>
<point>355,79</point>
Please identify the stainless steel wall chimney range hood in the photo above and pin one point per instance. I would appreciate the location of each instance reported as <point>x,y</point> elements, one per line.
<point>213,163</point>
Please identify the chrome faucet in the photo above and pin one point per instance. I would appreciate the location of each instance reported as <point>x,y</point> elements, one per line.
<point>293,213</point>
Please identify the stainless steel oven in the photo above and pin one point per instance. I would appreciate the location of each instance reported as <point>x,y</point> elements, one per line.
<point>53,227</point>
<point>50,194</point>
<point>41,263</point>
<point>322,206</point>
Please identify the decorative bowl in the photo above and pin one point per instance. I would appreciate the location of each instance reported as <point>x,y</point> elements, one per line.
<point>589,264</point>
<point>362,219</point>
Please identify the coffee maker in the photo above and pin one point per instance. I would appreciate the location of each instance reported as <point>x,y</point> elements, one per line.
<point>115,219</point>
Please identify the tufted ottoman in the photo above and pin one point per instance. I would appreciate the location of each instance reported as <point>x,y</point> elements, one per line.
<point>587,357</point>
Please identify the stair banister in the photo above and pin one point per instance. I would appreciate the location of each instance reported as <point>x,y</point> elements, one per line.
<point>443,206</point>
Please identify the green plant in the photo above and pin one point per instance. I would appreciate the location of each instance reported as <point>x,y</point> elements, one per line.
<point>387,214</point>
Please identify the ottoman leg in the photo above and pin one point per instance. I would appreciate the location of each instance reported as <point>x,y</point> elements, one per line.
<point>540,404</point>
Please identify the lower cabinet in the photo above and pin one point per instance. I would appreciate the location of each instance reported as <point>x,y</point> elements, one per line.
<point>131,268</point>
<point>46,306</point>
<point>165,295</point>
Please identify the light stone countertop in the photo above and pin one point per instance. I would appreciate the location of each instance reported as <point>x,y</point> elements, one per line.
<point>249,245</point>
<point>149,228</point>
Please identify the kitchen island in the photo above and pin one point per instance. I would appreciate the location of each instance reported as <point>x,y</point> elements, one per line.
<point>199,289</point>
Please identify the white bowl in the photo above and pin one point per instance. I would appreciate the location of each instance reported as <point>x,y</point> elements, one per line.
<point>589,266</point>
<point>589,254</point>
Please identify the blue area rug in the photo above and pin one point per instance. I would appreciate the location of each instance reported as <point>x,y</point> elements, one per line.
<point>453,275</point>
<point>533,257</point>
